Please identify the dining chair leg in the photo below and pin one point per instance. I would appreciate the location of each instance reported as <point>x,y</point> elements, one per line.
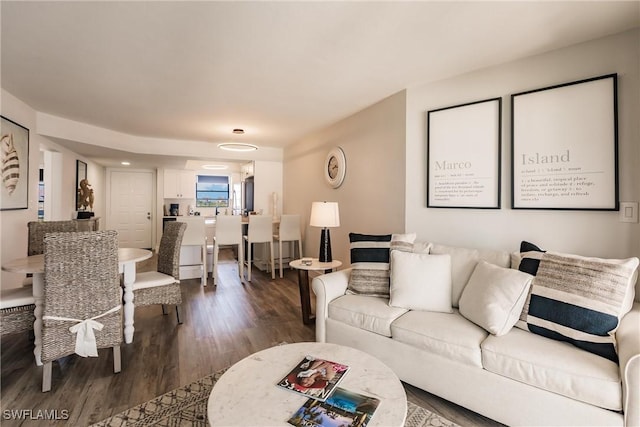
<point>241,260</point>
<point>205,273</point>
<point>214,269</point>
<point>273,267</point>
<point>178,313</point>
<point>164,309</point>
<point>249,262</point>
<point>117,360</point>
<point>280,253</point>
<point>46,377</point>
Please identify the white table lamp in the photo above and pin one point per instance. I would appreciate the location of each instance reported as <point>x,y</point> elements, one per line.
<point>325,215</point>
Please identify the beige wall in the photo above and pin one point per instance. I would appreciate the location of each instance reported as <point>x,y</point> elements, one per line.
<point>380,178</point>
<point>371,198</point>
<point>588,233</point>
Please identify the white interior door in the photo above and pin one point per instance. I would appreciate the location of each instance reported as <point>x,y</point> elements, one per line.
<point>131,206</point>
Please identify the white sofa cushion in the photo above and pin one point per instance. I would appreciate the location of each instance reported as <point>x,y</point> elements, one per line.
<point>446,334</point>
<point>152,279</point>
<point>554,366</point>
<point>494,297</point>
<point>372,314</point>
<point>420,281</point>
<point>16,297</point>
<point>464,260</point>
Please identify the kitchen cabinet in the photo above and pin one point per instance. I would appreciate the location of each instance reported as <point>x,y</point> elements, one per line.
<point>179,184</point>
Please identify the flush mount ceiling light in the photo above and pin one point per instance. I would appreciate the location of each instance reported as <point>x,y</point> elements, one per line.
<point>215,167</point>
<point>237,146</point>
<point>125,163</point>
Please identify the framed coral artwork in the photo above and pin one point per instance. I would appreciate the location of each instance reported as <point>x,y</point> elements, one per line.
<point>14,155</point>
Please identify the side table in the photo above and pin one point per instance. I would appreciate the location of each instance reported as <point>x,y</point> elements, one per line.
<point>303,282</point>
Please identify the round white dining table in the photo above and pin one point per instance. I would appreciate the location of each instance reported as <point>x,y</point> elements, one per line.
<point>34,264</point>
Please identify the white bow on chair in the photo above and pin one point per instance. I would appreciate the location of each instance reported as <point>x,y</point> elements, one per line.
<point>85,338</point>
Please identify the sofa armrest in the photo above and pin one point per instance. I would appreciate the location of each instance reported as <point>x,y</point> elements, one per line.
<point>628,339</point>
<point>327,287</point>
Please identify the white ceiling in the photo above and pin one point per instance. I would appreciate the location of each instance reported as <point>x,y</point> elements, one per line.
<point>193,71</point>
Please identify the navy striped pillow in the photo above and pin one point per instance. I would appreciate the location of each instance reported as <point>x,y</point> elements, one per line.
<point>580,300</point>
<point>530,257</point>
<point>529,260</point>
<point>370,264</point>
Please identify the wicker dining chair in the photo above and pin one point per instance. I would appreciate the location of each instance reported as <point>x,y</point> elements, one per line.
<point>38,229</point>
<point>81,287</point>
<point>17,306</point>
<point>163,285</point>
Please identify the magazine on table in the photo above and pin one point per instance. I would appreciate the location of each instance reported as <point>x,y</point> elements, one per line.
<point>342,408</point>
<point>314,377</point>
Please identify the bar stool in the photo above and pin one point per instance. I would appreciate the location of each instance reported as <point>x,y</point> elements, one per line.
<point>289,232</point>
<point>260,231</point>
<point>194,235</point>
<point>228,232</point>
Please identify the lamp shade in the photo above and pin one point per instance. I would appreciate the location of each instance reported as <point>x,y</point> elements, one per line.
<point>325,214</point>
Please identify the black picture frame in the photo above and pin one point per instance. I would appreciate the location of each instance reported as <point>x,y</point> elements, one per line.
<point>564,146</point>
<point>14,160</point>
<point>464,144</point>
<point>81,173</point>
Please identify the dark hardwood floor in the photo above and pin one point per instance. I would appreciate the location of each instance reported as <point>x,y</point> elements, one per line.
<point>222,324</point>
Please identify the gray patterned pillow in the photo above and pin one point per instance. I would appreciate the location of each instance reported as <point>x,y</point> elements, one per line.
<point>370,261</point>
<point>580,300</point>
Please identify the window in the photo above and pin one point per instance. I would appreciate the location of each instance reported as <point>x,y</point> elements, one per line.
<point>212,191</point>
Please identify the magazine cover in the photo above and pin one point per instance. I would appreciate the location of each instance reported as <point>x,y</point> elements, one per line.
<point>314,377</point>
<point>342,409</point>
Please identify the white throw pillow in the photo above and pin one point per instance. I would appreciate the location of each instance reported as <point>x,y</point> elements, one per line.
<point>420,281</point>
<point>494,297</point>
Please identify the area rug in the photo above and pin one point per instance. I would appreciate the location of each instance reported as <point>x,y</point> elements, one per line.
<point>187,406</point>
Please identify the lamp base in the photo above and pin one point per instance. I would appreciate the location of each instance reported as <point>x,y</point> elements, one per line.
<point>325,246</point>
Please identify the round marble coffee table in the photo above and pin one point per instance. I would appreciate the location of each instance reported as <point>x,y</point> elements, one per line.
<point>247,395</point>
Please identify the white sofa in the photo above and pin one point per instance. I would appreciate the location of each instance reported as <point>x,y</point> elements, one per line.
<point>519,378</point>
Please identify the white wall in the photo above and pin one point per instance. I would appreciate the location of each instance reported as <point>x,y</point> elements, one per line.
<point>371,198</point>
<point>64,175</point>
<point>268,180</point>
<point>13,224</point>
<point>583,232</point>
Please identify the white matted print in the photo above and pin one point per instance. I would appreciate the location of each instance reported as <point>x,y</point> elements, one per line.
<point>564,146</point>
<point>14,158</point>
<point>463,149</point>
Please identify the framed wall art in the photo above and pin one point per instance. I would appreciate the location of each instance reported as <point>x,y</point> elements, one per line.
<point>463,155</point>
<point>14,190</point>
<point>565,146</point>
